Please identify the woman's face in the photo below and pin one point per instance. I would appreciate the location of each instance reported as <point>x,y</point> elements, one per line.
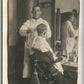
<point>72,18</point>
<point>36,12</point>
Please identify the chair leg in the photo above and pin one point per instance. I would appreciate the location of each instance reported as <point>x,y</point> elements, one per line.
<point>42,81</point>
<point>59,78</point>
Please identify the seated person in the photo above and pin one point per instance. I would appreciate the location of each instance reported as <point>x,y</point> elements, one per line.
<point>46,55</point>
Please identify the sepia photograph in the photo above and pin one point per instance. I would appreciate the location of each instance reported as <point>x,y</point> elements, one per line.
<point>42,41</point>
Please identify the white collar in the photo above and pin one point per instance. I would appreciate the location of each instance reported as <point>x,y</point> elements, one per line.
<point>37,19</point>
<point>42,38</point>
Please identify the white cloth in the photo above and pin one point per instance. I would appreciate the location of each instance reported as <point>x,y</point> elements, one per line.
<point>68,35</point>
<point>41,44</point>
<point>31,24</point>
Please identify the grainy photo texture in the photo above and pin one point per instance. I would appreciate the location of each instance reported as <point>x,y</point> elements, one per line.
<point>43,40</point>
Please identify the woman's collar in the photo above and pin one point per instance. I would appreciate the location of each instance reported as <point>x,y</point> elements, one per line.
<point>42,38</point>
<point>37,19</point>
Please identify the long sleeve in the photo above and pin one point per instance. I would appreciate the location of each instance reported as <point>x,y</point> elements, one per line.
<point>48,33</point>
<point>71,30</point>
<point>24,28</point>
<point>70,38</point>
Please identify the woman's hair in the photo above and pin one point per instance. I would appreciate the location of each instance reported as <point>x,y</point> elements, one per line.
<point>41,28</point>
<point>75,13</point>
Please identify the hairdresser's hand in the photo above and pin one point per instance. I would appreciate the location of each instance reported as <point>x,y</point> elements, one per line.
<point>30,30</point>
<point>57,60</point>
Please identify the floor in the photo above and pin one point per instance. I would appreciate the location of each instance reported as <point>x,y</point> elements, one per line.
<point>15,61</point>
<point>13,79</point>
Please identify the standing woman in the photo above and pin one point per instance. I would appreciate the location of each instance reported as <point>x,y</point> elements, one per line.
<point>28,30</point>
<point>68,35</point>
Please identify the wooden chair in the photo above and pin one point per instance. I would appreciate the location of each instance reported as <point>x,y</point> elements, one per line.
<point>42,63</point>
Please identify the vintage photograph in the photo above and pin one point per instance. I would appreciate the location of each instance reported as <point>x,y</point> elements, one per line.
<point>42,41</point>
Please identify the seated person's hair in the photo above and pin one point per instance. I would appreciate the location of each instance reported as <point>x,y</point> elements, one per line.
<point>41,28</point>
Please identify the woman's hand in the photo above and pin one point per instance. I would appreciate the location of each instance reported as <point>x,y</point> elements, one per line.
<point>30,30</point>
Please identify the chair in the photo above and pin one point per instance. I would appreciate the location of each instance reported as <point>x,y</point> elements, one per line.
<point>42,63</point>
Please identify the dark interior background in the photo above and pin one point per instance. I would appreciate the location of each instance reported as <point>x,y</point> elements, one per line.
<point>18,12</point>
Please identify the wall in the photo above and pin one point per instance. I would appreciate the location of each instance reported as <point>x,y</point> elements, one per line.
<point>67,5</point>
<point>18,12</point>
<point>12,22</point>
<point>12,26</point>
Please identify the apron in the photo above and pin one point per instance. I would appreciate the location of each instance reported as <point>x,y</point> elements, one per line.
<point>27,48</point>
<point>28,51</point>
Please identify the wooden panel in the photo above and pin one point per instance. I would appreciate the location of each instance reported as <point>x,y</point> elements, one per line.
<point>12,22</point>
<point>53,24</point>
<point>64,17</point>
<point>58,24</point>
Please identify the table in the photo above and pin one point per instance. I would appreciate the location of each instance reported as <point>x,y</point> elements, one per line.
<point>70,72</point>
<point>70,66</point>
